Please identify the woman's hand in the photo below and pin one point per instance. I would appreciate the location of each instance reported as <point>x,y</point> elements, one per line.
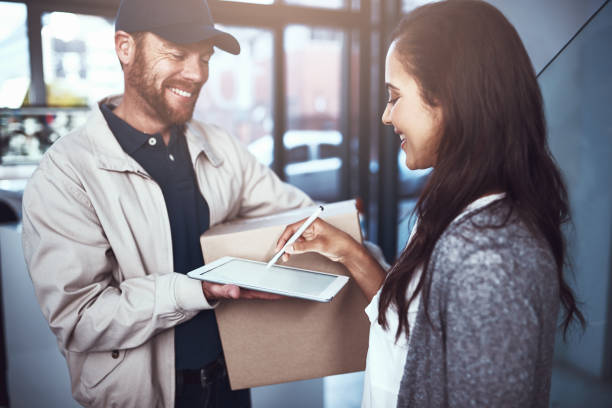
<point>319,237</point>
<point>338,246</point>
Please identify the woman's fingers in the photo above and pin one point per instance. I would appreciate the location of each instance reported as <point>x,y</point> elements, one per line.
<point>299,247</point>
<point>319,237</point>
<point>288,232</point>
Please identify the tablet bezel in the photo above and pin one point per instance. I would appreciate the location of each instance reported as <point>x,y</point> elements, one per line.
<point>325,296</point>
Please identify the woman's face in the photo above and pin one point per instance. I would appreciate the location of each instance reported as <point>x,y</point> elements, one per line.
<point>416,123</point>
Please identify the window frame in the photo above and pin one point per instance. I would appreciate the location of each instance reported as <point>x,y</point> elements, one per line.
<point>371,24</point>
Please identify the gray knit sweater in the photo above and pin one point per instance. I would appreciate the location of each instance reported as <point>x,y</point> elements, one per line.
<point>493,303</point>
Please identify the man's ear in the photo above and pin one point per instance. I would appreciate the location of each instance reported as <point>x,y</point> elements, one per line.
<point>125,46</point>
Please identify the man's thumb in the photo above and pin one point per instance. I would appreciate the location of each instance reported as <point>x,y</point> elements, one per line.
<point>232,292</point>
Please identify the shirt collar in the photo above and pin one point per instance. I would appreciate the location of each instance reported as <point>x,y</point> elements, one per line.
<point>479,203</point>
<point>130,138</point>
<point>111,155</point>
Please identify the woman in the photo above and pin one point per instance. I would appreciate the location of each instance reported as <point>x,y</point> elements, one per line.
<point>467,315</point>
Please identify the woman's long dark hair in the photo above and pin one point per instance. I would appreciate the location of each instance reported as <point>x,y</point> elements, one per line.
<point>469,61</point>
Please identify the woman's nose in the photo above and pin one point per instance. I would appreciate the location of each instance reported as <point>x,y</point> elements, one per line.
<point>386,116</point>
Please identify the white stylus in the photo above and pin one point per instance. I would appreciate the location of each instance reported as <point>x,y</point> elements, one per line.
<point>296,235</point>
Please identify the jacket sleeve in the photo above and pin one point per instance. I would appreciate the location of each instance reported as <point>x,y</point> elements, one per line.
<point>492,333</point>
<point>71,265</point>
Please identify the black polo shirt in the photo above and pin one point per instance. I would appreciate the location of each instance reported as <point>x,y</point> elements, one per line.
<point>196,341</point>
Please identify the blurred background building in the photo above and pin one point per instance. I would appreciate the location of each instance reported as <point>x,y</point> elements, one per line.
<point>305,96</point>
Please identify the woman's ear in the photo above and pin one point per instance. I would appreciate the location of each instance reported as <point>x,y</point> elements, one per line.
<point>438,115</point>
<point>125,46</point>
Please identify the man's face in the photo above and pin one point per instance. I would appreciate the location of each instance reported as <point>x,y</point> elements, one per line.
<point>168,77</point>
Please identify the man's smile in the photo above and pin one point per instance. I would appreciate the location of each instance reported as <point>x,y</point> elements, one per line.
<point>181,92</point>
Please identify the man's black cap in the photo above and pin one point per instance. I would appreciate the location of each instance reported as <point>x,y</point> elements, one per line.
<point>178,21</point>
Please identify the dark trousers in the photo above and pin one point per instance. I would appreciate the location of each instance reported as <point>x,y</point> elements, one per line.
<point>208,388</point>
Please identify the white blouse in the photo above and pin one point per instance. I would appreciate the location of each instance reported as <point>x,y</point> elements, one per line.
<point>386,357</point>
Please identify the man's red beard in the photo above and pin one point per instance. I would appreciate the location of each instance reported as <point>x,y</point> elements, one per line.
<point>143,81</point>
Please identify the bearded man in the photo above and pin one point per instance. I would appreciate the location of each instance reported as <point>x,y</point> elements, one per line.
<point>113,215</point>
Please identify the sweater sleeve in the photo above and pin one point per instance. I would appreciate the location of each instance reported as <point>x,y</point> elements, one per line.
<point>492,332</point>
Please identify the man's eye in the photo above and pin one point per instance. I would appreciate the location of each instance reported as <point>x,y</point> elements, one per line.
<point>177,56</point>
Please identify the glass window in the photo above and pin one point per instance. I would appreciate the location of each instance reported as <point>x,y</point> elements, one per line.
<point>297,154</point>
<point>376,110</point>
<point>332,4</point>
<point>354,121</point>
<point>79,60</point>
<point>26,134</point>
<point>411,182</point>
<point>238,94</point>
<point>407,219</point>
<point>409,5</point>
<point>14,54</point>
<point>314,61</point>
<point>253,1</point>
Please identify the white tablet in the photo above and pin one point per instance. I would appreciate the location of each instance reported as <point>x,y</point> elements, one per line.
<point>282,280</point>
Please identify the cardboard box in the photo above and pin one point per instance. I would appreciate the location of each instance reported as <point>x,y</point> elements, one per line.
<point>270,342</point>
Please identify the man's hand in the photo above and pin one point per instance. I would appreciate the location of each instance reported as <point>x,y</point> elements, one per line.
<point>215,291</point>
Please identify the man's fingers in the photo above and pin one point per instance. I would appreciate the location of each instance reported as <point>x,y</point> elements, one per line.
<point>231,291</point>
<point>215,291</point>
<point>255,294</point>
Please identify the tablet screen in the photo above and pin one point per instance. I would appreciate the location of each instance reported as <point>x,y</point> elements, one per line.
<point>276,277</point>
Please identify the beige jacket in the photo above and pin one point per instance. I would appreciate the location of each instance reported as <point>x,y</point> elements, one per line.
<point>96,239</point>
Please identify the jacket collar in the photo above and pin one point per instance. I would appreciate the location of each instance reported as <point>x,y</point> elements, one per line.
<point>110,155</point>
<point>197,140</point>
